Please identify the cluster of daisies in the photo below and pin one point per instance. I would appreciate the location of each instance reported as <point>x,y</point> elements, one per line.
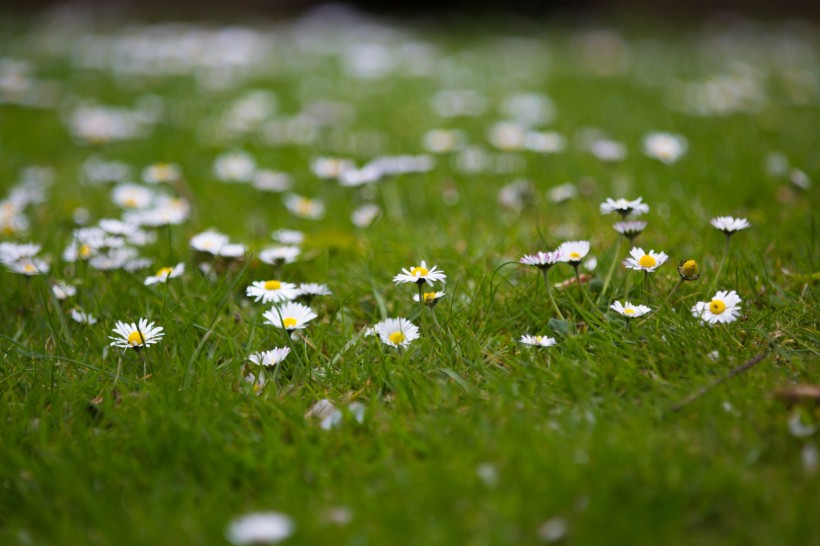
<point>724,306</point>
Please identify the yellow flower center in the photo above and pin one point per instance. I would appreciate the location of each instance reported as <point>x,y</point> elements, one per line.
<point>289,322</point>
<point>164,272</point>
<point>135,338</point>
<point>429,297</point>
<point>273,285</point>
<point>629,311</point>
<point>647,261</point>
<point>304,206</point>
<point>690,268</point>
<point>574,256</point>
<point>419,271</point>
<point>130,202</point>
<point>257,387</point>
<point>717,307</point>
<point>29,268</point>
<point>8,230</point>
<point>85,251</point>
<point>396,338</point>
<point>538,339</point>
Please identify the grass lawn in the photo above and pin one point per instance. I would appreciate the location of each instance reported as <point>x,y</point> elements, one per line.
<point>468,148</point>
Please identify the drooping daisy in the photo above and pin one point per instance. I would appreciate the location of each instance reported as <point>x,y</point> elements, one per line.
<point>541,260</point>
<point>665,147</point>
<point>165,273</point>
<point>629,310</point>
<point>311,289</point>
<point>269,358</point>
<point>724,308</point>
<point>396,332</point>
<point>420,274</point>
<point>290,316</point>
<point>730,225</point>
<point>62,290</point>
<point>642,261</point>
<point>573,252</point>
<point>630,228</point>
<point>624,207</point>
<point>272,291</point>
<point>136,336</point>
<point>279,255</point>
<point>429,298</point>
<point>82,317</point>
<point>259,528</point>
<point>538,341</point>
<point>304,207</point>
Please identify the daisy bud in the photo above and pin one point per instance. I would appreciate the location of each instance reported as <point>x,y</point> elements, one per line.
<point>688,270</point>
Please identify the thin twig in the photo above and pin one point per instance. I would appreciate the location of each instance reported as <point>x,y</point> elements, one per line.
<point>703,390</point>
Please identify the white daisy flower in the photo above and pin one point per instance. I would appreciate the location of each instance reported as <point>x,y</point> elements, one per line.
<point>232,250</point>
<point>166,273</point>
<point>235,167</point>
<point>630,228</point>
<point>279,255</point>
<point>30,267</point>
<point>429,298</point>
<point>314,289</point>
<point>365,215</point>
<point>624,207</point>
<point>269,358</point>
<point>562,192</point>
<point>607,150</point>
<point>331,167</point>
<point>723,308</point>
<point>136,336</point>
<point>257,381</point>
<point>13,252</point>
<point>420,274</point>
<point>642,261</point>
<point>272,181</point>
<point>290,316</point>
<point>62,290</point>
<point>730,225</point>
<point>208,241</point>
<point>628,310</point>
<point>259,528</point>
<point>303,207</point>
<point>573,252</point>
<point>272,291</point>
<point>538,341</point>
<point>288,236</point>
<point>82,317</point>
<point>542,260</point>
<point>166,211</point>
<point>396,332</point>
<point>439,141</point>
<point>132,196</point>
<point>665,147</point>
<point>161,172</point>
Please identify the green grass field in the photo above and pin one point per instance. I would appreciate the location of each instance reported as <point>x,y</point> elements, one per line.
<point>617,434</point>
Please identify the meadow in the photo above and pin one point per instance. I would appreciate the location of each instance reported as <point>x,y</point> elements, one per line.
<point>160,169</point>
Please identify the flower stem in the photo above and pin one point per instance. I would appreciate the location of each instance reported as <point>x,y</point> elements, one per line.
<point>549,293</point>
<point>611,267</point>
<point>645,286</point>
<point>583,288</point>
<point>673,290</point>
<point>722,261</point>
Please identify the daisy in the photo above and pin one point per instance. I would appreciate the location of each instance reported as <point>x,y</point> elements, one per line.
<point>272,291</point>
<point>161,172</point>
<point>311,289</point>
<point>271,181</point>
<point>62,290</point>
<point>132,196</point>
<point>166,273</point>
<point>82,317</point>
<point>730,225</point>
<point>269,358</point>
<point>420,274</point>
<point>724,308</point>
<point>630,229</point>
<point>542,260</point>
<point>288,236</point>
<point>641,261</point>
<point>259,528</point>
<point>13,252</point>
<point>665,147</point>
<point>29,267</point>
<point>624,207</point>
<point>235,167</point>
<point>628,310</point>
<point>133,336</point>
<point>396,332</point>
<point>365,215</point>
<point>279,255</point>
<point>208,241</point>
<point>607,150</point>
<point>290,316</point>
<point>304,207</point>
<point>429,298</point>
<point>573,252</point>
<point>257,381</point>
<point>331,167</point>
<point>538,341</point>
<point>688,270</point>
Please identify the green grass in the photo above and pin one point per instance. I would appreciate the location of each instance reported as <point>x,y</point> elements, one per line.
<point>93,452</point>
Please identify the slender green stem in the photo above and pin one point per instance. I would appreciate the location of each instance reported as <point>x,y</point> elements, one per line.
<point>583,288</point>
<point>545,271</point>
<point>421,303</point>
<point>672,291</point>
<point>646,287</point>
<point>615,260</point>
<point>722,261</point>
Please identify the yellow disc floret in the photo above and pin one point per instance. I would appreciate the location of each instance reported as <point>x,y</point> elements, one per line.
<point>574,256</point>
<point>164,272</point>
<point>690,268</point>
<point>629,311</point>
<point>717,307</point>
<point>647,261</point>
<point>135,338</point>
<point>273,285</point>
<point>396,338</point>
<point>429,297</point>
<point>289,322</point>
<point>419,271</point>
